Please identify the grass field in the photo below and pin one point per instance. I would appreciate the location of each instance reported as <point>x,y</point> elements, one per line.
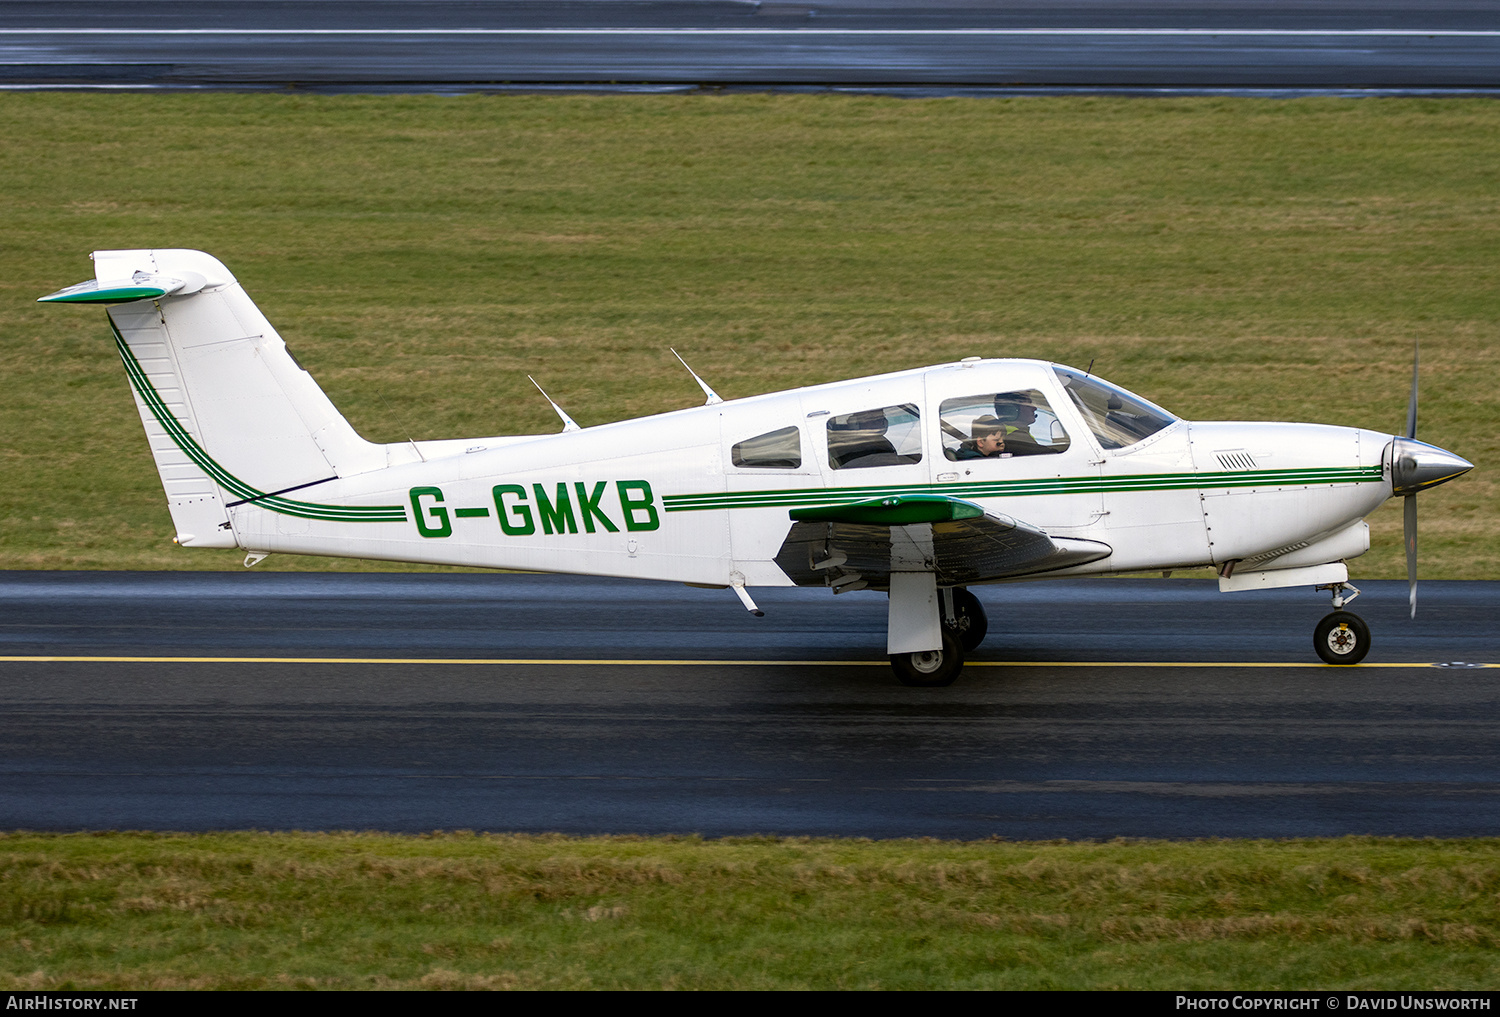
<point>1229,258</point>
<point>463,911</point>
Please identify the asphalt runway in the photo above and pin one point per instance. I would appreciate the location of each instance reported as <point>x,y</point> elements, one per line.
<point>1097,708</point>
<point>882,44</point>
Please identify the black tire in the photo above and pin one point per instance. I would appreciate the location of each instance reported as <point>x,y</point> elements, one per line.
<point>1342,638</point>
<point>931,670</point>
<point>972,625</point>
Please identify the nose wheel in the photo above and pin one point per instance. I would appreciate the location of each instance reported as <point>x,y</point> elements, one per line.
<point>1342,638</point>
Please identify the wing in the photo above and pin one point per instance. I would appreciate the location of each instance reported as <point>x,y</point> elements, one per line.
<point>859,545</point>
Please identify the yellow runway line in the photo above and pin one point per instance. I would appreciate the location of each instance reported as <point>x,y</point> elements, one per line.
<point>497,661</point>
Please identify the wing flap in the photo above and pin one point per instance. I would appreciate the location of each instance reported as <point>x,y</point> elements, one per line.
<point>843,547</point>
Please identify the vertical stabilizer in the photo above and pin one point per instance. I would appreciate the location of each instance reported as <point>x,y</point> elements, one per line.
<point>230,414</point>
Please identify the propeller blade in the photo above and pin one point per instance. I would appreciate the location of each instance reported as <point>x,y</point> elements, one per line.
<point>1409,512</point>
<point>1411,404</point>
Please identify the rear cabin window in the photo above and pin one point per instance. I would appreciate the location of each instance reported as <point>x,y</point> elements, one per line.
<point>889,436</point>
<point>1001,425</point>
<point>775,450</point>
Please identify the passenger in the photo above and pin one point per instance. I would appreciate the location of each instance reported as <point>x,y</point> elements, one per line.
<point>860,440</point>
<point>987,440</point>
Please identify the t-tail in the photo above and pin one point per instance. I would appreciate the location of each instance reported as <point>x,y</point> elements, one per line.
<point>231,416</point>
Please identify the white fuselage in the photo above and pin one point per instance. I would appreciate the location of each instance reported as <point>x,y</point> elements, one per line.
<point>661,497</point>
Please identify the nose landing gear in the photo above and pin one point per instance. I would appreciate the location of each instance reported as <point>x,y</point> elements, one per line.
<point>1342,637</point>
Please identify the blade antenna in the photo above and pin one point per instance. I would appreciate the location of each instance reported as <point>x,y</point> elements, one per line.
<point>569,424</point>
<point>392,414</point>
<point>713,397</point>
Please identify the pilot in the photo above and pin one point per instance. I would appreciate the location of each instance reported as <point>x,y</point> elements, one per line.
<point>986,441</point>
<point>1017,412</point>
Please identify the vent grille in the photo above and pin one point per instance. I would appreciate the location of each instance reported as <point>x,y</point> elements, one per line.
<point>1268,555</point>
<point>1235,459</point>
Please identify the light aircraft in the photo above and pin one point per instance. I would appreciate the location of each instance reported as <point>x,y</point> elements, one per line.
<point>920,483</point>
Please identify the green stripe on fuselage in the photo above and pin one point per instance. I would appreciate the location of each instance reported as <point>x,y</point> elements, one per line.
<point>1022,488</point>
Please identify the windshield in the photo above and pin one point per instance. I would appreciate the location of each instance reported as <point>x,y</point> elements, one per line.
<point>1118,418</point>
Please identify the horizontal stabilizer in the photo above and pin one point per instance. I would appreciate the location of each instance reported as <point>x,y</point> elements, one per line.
<point>115,292</point>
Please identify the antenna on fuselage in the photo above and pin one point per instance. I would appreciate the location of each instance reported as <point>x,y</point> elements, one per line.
<point>569,424</point>
<point>713,397</point>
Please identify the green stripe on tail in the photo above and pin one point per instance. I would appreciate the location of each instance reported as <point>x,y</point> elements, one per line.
<point>228,481</point>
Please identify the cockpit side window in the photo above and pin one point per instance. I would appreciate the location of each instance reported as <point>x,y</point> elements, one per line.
<point>1001,425</point>
<point>890,436</point>
<point>1118,418</point>
<point>780,449</point>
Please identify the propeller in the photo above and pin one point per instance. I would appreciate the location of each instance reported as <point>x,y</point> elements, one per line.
<point>1409,521</point>
<point>1416,466</point>
<point>1409,508</point>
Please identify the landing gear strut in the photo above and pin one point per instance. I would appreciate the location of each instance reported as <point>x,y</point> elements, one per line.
<point>963,616</point>
<point>1342,637</point>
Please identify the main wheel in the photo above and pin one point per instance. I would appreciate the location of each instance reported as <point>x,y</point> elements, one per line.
<point>971,625</point>
<point>932,668</point>
<point>1342,638</point>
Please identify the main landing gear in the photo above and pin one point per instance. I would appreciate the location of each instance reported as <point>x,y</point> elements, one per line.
<point>930,669</point>
<point>1342,637</point>
<point>967,621</point>
<point>962,626</point>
